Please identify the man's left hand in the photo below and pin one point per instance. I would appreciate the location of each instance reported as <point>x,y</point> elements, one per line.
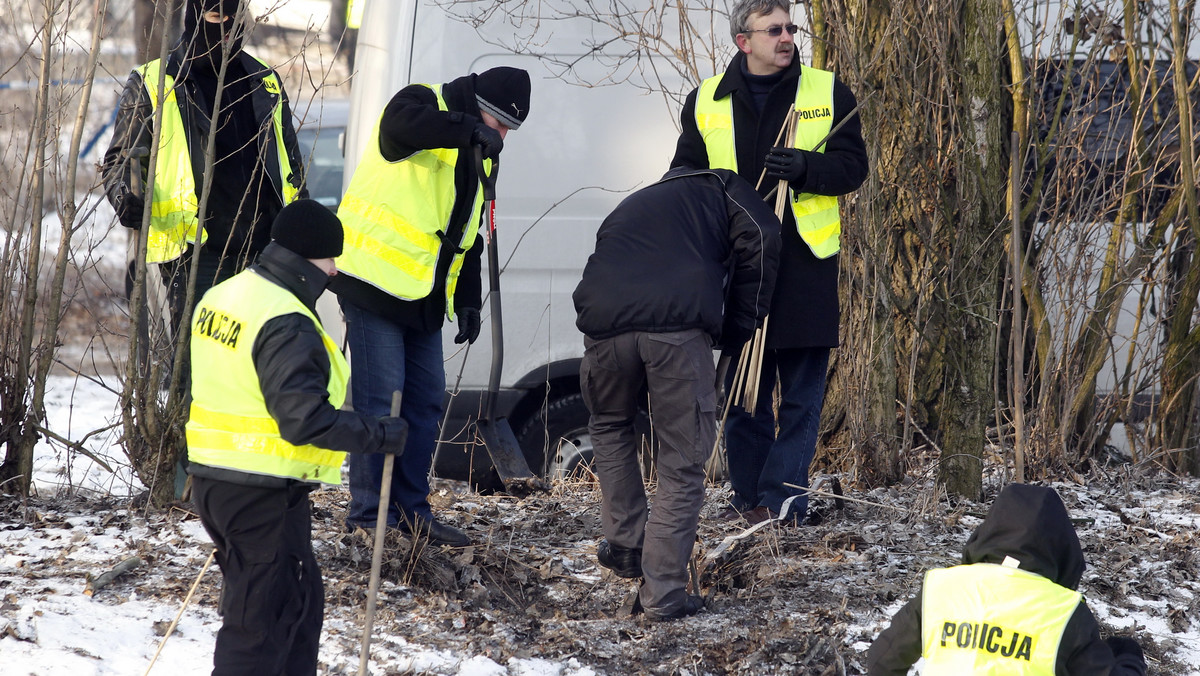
<point>468,325</point>
<point>786,164</point>
<point>489,141</point>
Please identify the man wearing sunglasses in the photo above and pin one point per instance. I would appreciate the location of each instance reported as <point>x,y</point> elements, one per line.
<point>733,121</point>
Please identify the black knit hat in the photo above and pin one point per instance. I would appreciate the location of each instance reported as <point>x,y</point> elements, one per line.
<point>308,229</point>
<point>503,92</point>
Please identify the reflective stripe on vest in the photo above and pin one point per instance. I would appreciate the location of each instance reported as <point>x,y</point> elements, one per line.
<point>817,218</point>
<point>986,619</point>
<point>175,210</point>
<point>395,215</point>
<point>229,425</point>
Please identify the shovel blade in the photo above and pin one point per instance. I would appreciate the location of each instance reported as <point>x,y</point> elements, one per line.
<point>507,457</point>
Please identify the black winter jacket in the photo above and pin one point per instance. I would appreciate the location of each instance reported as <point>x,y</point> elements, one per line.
<point>1031,525</point>
<point>804,312</point>
<point>237,214</point>
<point>293,372</point>
<point>411,122</point>
<point>694,250</point>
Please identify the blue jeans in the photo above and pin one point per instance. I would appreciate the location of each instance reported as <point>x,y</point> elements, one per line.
<point>385,357</point>
<point>760,463</point>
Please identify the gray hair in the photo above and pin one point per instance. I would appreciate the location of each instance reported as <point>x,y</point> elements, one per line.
<point>739,18</point>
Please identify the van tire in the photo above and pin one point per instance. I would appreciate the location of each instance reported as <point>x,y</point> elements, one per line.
<point>564,419</point>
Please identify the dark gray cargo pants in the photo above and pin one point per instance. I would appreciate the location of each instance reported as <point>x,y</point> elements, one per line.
<point>678,369</point>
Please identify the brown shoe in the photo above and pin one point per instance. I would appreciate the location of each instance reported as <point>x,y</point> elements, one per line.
<point>730,513</point>
<point>759,514</point>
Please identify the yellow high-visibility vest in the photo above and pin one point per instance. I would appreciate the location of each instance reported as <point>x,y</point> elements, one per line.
<point>396,216</point>
<point>354,12</point>
<point>986,620</point>
<point>229,425</point>
<point>817,218</point>
<point>175,207</point>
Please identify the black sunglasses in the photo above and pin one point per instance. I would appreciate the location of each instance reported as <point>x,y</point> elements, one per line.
<point>776,31</point>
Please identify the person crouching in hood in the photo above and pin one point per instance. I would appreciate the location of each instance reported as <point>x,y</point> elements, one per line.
<point>1011,607</point>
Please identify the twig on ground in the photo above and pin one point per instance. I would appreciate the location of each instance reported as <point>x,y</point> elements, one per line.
<point>187,599</point>
<point>814,491</point>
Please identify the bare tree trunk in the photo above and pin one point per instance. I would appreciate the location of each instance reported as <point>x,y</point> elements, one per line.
<point>153,431</point>
<point>1181,367</point>
<point>859,415</point>
<point>921,289</point>
<point>22,437</point>
<point>976,249</point>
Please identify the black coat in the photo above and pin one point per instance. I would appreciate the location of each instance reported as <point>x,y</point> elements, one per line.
<point>293,371</point>
<point>697,249</point>
<point>411,122</point>
<point>804,312</point>
<point>247,188</point>
<point>1029,524</point>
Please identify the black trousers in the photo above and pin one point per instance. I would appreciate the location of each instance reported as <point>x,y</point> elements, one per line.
<point>273,599</point>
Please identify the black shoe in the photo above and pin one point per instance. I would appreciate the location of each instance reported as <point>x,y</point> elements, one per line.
<point>692,604</point>
<point>624,562</point>
<point>436,532</point>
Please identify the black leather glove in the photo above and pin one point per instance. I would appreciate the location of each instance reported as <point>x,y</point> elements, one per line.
<point>1123,645</point>
<point>787,164</point>
<point>468,325</point>
<point>395,435</point>
<point>488,140</point>
<point>129,210</point>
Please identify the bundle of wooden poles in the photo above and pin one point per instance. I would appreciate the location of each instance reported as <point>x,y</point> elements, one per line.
<point>744,391</point>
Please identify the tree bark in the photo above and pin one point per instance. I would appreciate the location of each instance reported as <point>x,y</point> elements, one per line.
<point>922,254</point>
<point>1181,367</point>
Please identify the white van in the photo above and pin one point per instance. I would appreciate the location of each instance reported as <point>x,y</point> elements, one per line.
<point>581,150</point>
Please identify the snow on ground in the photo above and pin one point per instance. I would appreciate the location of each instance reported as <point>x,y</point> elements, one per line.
<point>528,599</point>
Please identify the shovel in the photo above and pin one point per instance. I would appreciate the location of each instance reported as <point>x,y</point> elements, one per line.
<point>497,434</point>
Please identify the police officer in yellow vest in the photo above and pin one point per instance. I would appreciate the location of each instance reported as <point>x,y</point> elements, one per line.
<point>412,215</point>
<point>732,121</point>
<point>1011,607</point>
<point>265,429</point>
<point>257,165</point>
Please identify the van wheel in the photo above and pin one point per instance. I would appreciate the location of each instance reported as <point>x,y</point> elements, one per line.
<point>556,440</point>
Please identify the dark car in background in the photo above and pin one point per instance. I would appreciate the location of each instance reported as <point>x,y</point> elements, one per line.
<point>321,132</point>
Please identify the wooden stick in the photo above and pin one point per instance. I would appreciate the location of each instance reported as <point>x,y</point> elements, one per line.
<point>754,370</point>
<point>813,491</point>
<point>739,378</point>
<point>385,497</point>
<point>186,600</point>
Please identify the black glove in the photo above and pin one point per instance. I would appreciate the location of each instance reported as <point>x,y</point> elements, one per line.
<point>733,337</point>
<point>129,210</point>
<point>1123,645</point>
<point>787,164</point>
<point>468,325</point>
<point>488,140</point>
<point>395,435</point>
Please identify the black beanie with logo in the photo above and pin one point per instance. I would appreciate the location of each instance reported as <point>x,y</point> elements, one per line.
<point>307,228</point>
<point>503,92</point>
